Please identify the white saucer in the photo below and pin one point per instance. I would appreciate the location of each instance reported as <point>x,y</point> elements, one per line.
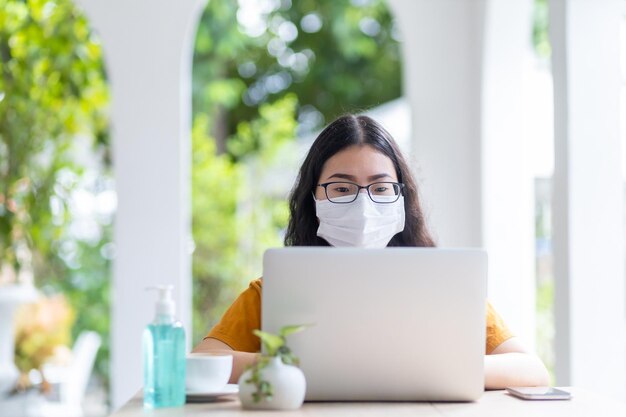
<point>212,395</point>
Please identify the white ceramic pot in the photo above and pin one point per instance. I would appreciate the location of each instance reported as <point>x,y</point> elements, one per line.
<point>288,387</point>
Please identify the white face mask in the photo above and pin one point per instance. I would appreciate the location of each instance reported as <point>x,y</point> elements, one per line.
<point>361,223</point>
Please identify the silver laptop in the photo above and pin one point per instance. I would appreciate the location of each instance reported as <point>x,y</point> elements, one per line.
<point>394,324</point>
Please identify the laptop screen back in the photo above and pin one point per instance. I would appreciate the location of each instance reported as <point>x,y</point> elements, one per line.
<point>398,324</point>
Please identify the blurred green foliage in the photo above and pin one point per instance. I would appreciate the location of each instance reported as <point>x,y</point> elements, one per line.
<point>545,323</point>
<point>42,331</point>
<point>233,218</point>
<point>265,73</point>
<point>540,33</point>
<point>335,56</point>
<point>52,89</point>
<point>53,99</point>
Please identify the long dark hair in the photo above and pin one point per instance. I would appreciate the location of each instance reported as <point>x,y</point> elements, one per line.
<point>346,131</point>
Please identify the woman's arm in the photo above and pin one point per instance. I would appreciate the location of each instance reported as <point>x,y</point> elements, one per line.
<point>240,359</point>
<point>510,365</point>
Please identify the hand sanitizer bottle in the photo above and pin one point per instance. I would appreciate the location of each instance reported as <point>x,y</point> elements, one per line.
<point>164,355</point>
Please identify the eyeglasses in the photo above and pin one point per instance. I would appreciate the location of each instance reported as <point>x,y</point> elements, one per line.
<point>347,192</point>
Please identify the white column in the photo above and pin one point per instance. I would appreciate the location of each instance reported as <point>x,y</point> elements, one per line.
<point>442,45</point>
<point>148,50</point>
<point>588,196</point>
<point>463,76</point>
<point>507,179</point>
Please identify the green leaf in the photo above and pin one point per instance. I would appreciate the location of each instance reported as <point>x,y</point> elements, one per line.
<point>287,330</point>
<point>271,342</point>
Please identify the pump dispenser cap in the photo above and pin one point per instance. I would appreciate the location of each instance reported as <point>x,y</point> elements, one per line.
<point>165,305</point>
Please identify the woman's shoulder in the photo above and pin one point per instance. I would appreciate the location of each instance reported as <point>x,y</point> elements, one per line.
<point>494,320</point>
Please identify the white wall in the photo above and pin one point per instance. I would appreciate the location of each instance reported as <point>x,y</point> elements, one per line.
<point>442,51</point>
<point>147,46</point>
<point>463,77</point>
<point>507,177</point>
<point>588,195</point>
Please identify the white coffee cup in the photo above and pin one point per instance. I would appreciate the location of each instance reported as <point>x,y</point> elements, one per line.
<point>207,372</point>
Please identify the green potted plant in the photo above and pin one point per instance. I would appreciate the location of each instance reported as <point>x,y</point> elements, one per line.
<point>274,382</point>
<point>42,334</point>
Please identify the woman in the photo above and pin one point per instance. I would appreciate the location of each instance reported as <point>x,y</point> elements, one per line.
<point>355,189</point>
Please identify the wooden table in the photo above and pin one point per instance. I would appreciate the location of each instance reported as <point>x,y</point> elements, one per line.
<point>492,403</point>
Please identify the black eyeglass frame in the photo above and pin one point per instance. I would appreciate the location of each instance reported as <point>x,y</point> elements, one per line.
<point>359,188</point>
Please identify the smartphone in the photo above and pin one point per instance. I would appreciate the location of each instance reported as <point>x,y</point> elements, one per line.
<point>539,393</point>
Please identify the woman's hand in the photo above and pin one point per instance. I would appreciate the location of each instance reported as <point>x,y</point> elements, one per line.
<point>510,365</point>
<point>241,360</point>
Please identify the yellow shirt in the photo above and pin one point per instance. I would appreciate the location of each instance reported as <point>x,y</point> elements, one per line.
<point>244,316</point>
